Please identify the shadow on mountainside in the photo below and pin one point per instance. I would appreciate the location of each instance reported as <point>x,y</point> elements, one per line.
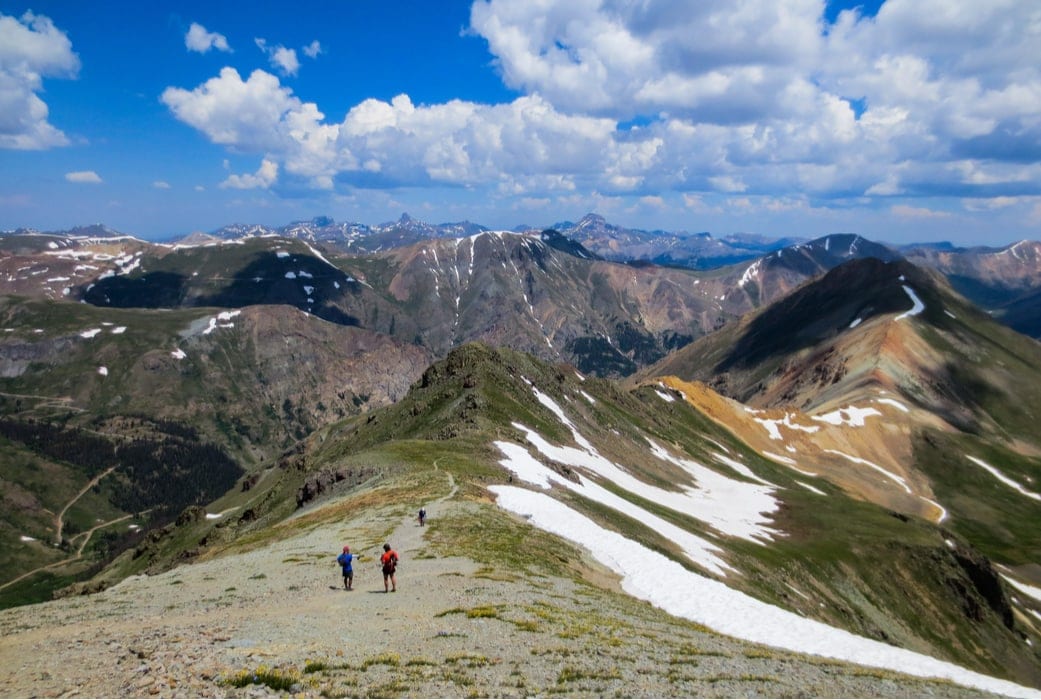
<point>301,281</point>
<point>861,289</point>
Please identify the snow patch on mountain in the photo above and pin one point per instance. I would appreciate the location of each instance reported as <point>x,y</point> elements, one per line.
<point>740,469</point>
<point>852,416</point>
<point>751,274</point>
<point>811,488</point>
<point>664,396</point>
<point>652,577</point>
<point>221,320</point>
<point>699,550</point>
<point>317,254</point>
<point>894,403</point>
<point>772,425</point>
<point>780,458</point>
<point>1030,591</point>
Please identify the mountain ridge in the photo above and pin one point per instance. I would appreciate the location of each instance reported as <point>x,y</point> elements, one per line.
<point>470,419</point>
<point>1005,280</point>
<point>880,464</point>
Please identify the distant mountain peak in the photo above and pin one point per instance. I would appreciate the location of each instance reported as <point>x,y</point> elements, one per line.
<point>91,231</point>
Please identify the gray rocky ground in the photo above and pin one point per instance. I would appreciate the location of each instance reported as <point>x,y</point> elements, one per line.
<point>275,621</point>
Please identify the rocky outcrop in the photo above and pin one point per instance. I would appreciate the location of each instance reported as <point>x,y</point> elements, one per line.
<point>17,356</point>
<point>987,586</point>
<point>324,481</point>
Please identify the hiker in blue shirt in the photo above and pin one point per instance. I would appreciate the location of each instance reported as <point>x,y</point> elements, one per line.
<point>345,560</point>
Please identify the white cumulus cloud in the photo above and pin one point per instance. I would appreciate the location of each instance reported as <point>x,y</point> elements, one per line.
<point>282,59</point>
<point>313,49</point>
<point>762,100</point>
<point>716,61</point>
<point>88,177</point>
<point>230,111</point>
<point>31,48</point>
<point>161,185</point>
<point>782,102</point>
<point>266,175</point>
<point>200,40</point>
<point>397,143</point>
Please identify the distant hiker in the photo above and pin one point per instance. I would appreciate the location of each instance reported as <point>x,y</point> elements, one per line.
<point>346,560</point>
<point>389,561</point>
<point>422,516</point>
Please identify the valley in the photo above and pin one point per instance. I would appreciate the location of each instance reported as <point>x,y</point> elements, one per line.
<point>825,448</point>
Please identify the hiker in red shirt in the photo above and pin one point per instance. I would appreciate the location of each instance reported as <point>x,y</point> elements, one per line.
<point>389,560</point>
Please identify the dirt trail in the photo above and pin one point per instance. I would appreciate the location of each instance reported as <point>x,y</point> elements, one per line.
<point>85,539</point>
<point>453,629</point>
<point>84,536</point>
<point>59,519</point>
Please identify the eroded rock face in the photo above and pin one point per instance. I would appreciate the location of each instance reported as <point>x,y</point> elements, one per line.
<point>321,482</point>
<point>15,357</point>
<point>191,514</point>
<point>987,585</point>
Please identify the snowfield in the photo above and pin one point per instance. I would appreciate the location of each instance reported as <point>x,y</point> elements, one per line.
<point>728,505</point>
<point>666,584</point>
<point>732,507</point>
<point>697,549</point>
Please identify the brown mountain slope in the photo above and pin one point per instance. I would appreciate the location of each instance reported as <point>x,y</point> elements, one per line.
<point>866,327</point>
<point>257,379</point>
<point>887,353</point>
<point>863,447</point>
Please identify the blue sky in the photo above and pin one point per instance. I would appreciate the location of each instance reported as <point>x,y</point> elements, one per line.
<point>900,120</point>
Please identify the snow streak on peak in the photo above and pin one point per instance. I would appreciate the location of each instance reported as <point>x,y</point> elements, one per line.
<point>917,308</point>
<point>751,273</point>
<point>1012,483</point>
<point>853,247</point>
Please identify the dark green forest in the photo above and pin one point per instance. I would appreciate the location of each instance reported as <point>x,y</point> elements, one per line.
<point>162,473</point>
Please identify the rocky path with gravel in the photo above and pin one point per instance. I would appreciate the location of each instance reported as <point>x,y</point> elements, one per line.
<point>276,621</point>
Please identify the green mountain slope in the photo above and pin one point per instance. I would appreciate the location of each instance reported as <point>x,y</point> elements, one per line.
<point>904,515</point>
<point>815,551</point>
<point>169,408</point>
